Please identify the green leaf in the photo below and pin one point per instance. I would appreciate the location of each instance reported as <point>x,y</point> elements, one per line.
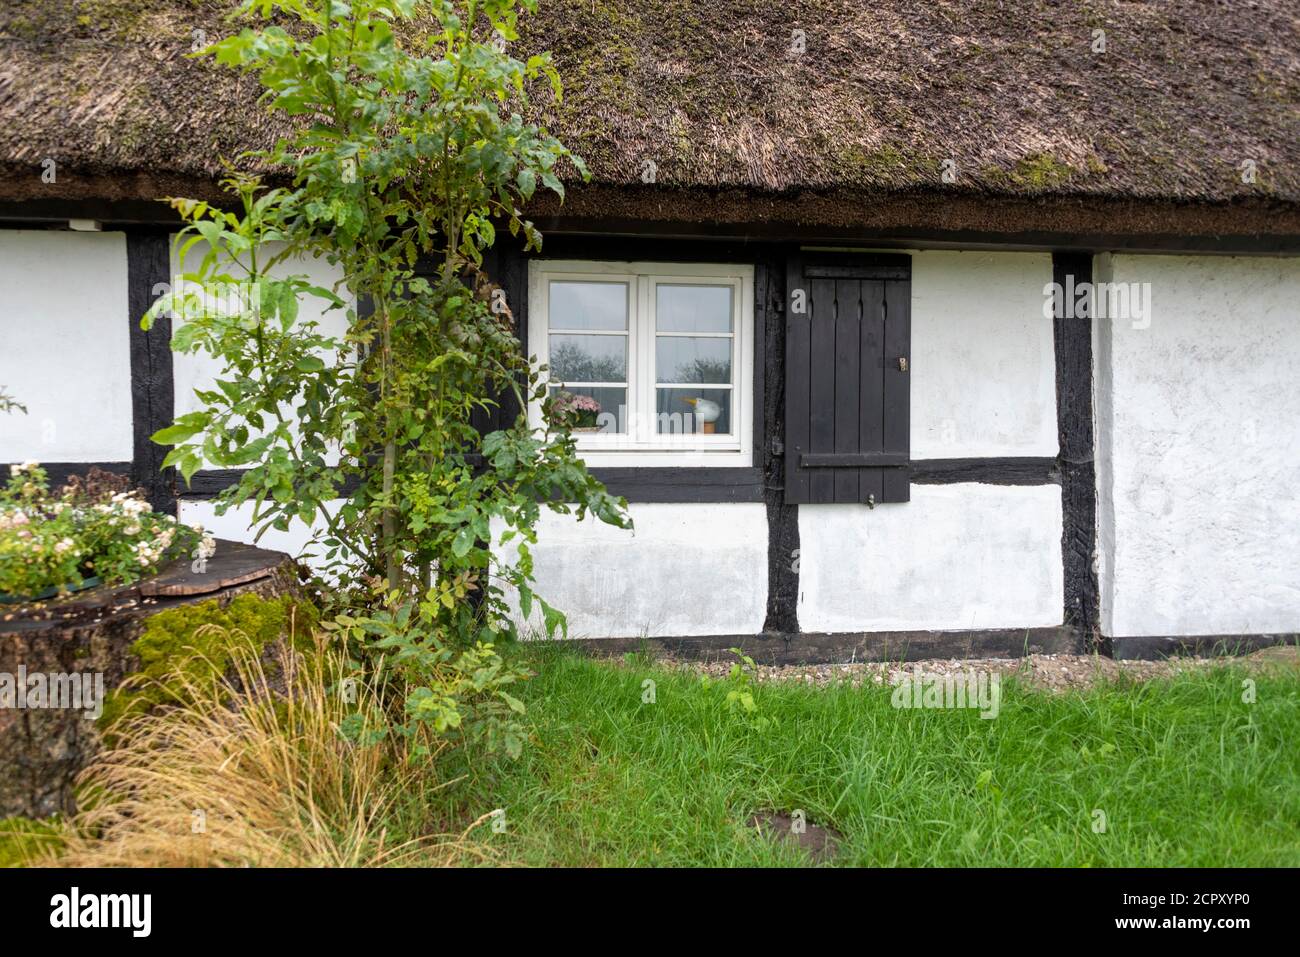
<point>174,434</point>
<point>463,541</point>
<point>189,465</point>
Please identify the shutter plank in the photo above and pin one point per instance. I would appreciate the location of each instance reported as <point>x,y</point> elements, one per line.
<point>871,413</point>
<point>897,419</point>
<point>821,394</point>
<point>848,322</point>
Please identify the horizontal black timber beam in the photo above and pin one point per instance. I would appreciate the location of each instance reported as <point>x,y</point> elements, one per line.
<point>138,215</point>
<point>850,460</point>
<point>904,238</point>
<point>683,484</point>
<point>634,484</point>
<point>650,249</point>
<point>986,471</point>
<point>842,647</point>
<point>143,214</point>
<point>849,272</point>
<point>208,483</point>
<point>1155,647</point>
<point>722,484</point>
<point>59,472</point>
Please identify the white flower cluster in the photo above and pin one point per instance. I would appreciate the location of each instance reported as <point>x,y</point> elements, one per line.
<point>149,552</point>
<point>207,546</point>
<point>125,502</point>
<point>24,468</point>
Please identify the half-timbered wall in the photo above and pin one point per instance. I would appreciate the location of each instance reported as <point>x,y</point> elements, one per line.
<point>1069,476</point>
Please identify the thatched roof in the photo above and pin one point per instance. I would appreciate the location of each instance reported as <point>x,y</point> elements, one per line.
<point>717,95</point>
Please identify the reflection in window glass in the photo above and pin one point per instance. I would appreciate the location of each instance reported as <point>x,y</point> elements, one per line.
<point>692,308</point>
<point>588,305</point>
<point>689,359</point>
<point>588,358</point>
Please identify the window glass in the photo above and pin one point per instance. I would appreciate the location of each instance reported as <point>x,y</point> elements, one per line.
<point>609,414</point>
<point>588,358</point>
<point>588,305</point>
<point>693,359</point>
<point>692,411</point>
<point>692,308</point>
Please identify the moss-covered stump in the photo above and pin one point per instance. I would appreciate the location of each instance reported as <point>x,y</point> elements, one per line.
<point>50,727</point>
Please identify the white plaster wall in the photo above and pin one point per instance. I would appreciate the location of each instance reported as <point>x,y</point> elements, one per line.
<point>955,557</point>
<point>235,526</point>
<point>64,352</point>
<point>198,370</point>
<point>1198,448</point>
<point>689,569</point>
<point>983,366</point>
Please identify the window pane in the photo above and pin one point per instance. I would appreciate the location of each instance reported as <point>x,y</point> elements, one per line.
<point>685,359</point>
<point>589,358</point>
<point>588,305</point>
<point>709,414</point>
<point>692,308</point>
<point>610,415</point>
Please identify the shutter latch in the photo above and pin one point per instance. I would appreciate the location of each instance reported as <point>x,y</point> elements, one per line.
<point>902,363</point>
<point>871,500</point>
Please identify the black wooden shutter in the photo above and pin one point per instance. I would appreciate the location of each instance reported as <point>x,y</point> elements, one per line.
<point>848,346</point>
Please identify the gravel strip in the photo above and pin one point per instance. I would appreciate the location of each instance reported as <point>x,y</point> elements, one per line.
<point>1047,672</point>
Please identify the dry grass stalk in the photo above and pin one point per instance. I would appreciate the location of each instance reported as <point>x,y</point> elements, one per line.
<point>253,770</point>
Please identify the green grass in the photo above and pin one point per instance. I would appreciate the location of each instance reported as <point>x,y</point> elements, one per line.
<point>22,840</point>
<point>1185,772</point>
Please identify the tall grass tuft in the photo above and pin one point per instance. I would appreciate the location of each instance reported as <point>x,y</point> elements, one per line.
<point>252,768</point>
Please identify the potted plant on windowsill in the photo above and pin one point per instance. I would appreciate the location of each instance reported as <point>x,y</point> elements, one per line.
<point>580,412</point>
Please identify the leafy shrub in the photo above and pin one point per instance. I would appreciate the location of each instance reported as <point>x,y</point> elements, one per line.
<point>431,683</point>
<point>91,528</point>
<point>417,153</point>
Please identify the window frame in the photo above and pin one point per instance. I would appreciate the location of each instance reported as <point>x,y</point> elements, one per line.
<point>641,446</point>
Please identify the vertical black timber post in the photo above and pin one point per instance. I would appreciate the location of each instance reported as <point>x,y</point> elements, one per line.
<point>1072,336</point>
<point>510,272</point>
<point>770,302</point>
<point>153,401</point>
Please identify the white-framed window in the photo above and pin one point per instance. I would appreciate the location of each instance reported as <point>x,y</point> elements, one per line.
<point>658,358</point>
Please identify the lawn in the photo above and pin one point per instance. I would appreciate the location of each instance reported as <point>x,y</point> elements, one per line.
<point>1184,771</point>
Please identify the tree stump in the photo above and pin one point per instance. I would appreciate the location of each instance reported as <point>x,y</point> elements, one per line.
<point>90,633</point>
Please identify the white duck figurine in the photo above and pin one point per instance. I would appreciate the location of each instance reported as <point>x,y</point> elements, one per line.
<point>706,411</point>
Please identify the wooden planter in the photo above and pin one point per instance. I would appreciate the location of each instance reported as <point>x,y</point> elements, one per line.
<point>91,631</point>
<point>8,599</point>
